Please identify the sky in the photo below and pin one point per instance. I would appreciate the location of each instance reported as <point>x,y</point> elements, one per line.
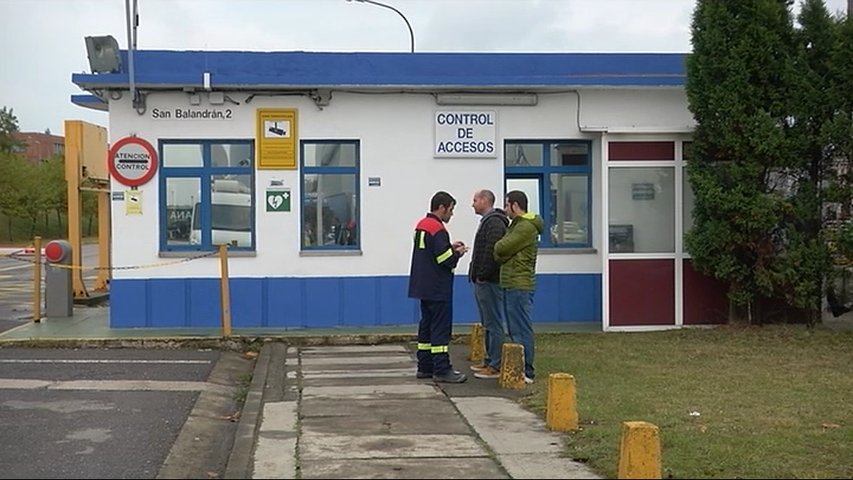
<point>42,41</point>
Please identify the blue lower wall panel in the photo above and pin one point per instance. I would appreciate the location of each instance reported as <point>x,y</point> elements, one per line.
<point>325,301</point>
<point>128,303</point>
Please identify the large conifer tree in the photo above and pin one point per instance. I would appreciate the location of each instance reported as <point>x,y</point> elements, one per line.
<point>739,80</point>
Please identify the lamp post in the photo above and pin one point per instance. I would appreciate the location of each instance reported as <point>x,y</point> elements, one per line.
<point>411,32</point>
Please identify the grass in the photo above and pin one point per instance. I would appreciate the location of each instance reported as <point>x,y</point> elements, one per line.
<point>244,381</point>
<point>773,401</point>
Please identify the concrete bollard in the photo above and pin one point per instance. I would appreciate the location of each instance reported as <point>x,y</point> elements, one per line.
<point>512,367</point>
<point>562,411</point>
<point>639,451</point>
<point>478,349</point>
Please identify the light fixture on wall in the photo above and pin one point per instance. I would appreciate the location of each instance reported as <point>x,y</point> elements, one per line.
<point>500,99</point>
<point>103,54</point>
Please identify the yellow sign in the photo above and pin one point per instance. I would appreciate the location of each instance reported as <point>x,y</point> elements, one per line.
<point>277,138</point>
<point>133,202</point>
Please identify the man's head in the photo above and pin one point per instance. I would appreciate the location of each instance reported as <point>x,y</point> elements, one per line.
<point>442,205</point>
<point>484,200</point>
<point>516,203</point>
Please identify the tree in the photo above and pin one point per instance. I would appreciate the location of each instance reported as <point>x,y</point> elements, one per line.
<point>771,153</point>
<point>739,78</point>
<point>8,126</point>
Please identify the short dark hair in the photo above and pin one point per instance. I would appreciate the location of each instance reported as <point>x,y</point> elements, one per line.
<point>440,199</point>
<point>519,197</point>
<point>488,195</point>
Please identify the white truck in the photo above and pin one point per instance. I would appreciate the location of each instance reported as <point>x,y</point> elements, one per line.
<point>231,215</point>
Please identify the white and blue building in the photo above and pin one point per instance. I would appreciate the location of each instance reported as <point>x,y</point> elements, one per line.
<point>338,155</point>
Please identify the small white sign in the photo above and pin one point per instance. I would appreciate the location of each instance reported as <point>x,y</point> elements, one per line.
<point>465,134</point>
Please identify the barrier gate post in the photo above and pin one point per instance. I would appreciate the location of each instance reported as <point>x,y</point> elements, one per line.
<point>58,293</point>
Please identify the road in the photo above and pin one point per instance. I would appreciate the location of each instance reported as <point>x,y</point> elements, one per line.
<point>16,286</point>
<point>118,413</point>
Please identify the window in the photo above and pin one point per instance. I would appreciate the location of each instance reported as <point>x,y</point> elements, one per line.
<point>330,195</point>
<point>642,209</point>
<point>207,194</point>
<point>563,170</point>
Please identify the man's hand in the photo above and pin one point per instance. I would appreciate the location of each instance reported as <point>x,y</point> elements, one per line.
<point>459,247</point>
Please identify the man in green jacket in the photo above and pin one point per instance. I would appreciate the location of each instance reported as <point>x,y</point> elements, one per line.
<point>516,252</point>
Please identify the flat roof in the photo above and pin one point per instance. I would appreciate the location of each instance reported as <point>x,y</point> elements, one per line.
<point>243,70</point>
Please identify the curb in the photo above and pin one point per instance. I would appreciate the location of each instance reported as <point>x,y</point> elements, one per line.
<point>242,453</point>
<point>235,342</point>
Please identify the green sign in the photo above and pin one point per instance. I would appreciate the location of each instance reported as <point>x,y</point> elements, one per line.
<point>278,200</point>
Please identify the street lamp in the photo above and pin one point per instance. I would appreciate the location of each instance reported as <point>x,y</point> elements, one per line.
<point>411,32</point>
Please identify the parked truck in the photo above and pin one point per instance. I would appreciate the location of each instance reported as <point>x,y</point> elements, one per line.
<point>230,215</point>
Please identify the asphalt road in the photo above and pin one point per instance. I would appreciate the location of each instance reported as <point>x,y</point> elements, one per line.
<point>118,413</point>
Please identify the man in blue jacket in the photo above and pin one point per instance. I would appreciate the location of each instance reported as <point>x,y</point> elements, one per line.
<point>431,281</point>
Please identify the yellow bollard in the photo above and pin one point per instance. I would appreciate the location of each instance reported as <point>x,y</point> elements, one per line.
<point>512,367</point>
<point>477,352</point>
<point>639,452</point>
<point>562,411</point>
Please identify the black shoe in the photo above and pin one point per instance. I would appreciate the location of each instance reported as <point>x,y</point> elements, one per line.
<point>423,375</point>
<point>451,377</point>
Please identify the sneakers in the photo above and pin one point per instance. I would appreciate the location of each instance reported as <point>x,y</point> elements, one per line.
<point>479,368</point>
<point>488,372</point>
<point>421,374</point>
<point>452,376</point>
<point>528,380</point>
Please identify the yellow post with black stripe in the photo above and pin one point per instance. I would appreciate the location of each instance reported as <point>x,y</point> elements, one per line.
<point>477,350</point>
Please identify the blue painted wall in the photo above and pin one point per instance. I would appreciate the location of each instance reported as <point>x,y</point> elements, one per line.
<point>325,302</point>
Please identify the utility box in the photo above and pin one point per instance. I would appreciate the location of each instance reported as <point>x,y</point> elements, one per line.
<point>58,296</point>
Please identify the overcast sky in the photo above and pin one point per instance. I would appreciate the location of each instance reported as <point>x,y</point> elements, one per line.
<point>42,40</point>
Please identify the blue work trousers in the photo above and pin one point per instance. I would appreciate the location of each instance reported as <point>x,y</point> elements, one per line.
<point>434,332</point>
<point>519,323</point>
<point>490,303</point>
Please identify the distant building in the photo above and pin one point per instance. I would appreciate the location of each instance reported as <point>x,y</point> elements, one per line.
<point>39,146</point>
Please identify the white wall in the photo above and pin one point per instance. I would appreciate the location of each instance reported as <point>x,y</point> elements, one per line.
<point>397,133</point>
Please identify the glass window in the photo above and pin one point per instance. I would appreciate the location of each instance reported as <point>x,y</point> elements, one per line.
<point>231,155</point>
<point>207,189</point>
<point>569,194</point>
<point>182,155</point>
<point>181,196</point>
<point>688,204</point>
<point>642,209</point>
<point>523,155</point>
<point>329,155</point>
<point>330,195</point>
<point>563,170</point>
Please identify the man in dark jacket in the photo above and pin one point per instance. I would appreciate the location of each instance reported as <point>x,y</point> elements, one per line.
<point>484,274</point>
<point>431,281</point>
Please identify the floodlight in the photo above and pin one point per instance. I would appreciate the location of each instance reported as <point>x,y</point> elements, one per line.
<point>103,54</point>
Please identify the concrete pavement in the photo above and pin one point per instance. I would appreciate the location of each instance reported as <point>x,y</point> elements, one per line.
<point>359,412</point>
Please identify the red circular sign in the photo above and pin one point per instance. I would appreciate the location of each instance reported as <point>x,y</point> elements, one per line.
<point>54,251</point>
<point>132,161</point>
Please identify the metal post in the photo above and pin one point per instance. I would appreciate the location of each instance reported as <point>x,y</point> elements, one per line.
<point>104,272</point>
<point>226,294</point>
<point>57,280</point>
